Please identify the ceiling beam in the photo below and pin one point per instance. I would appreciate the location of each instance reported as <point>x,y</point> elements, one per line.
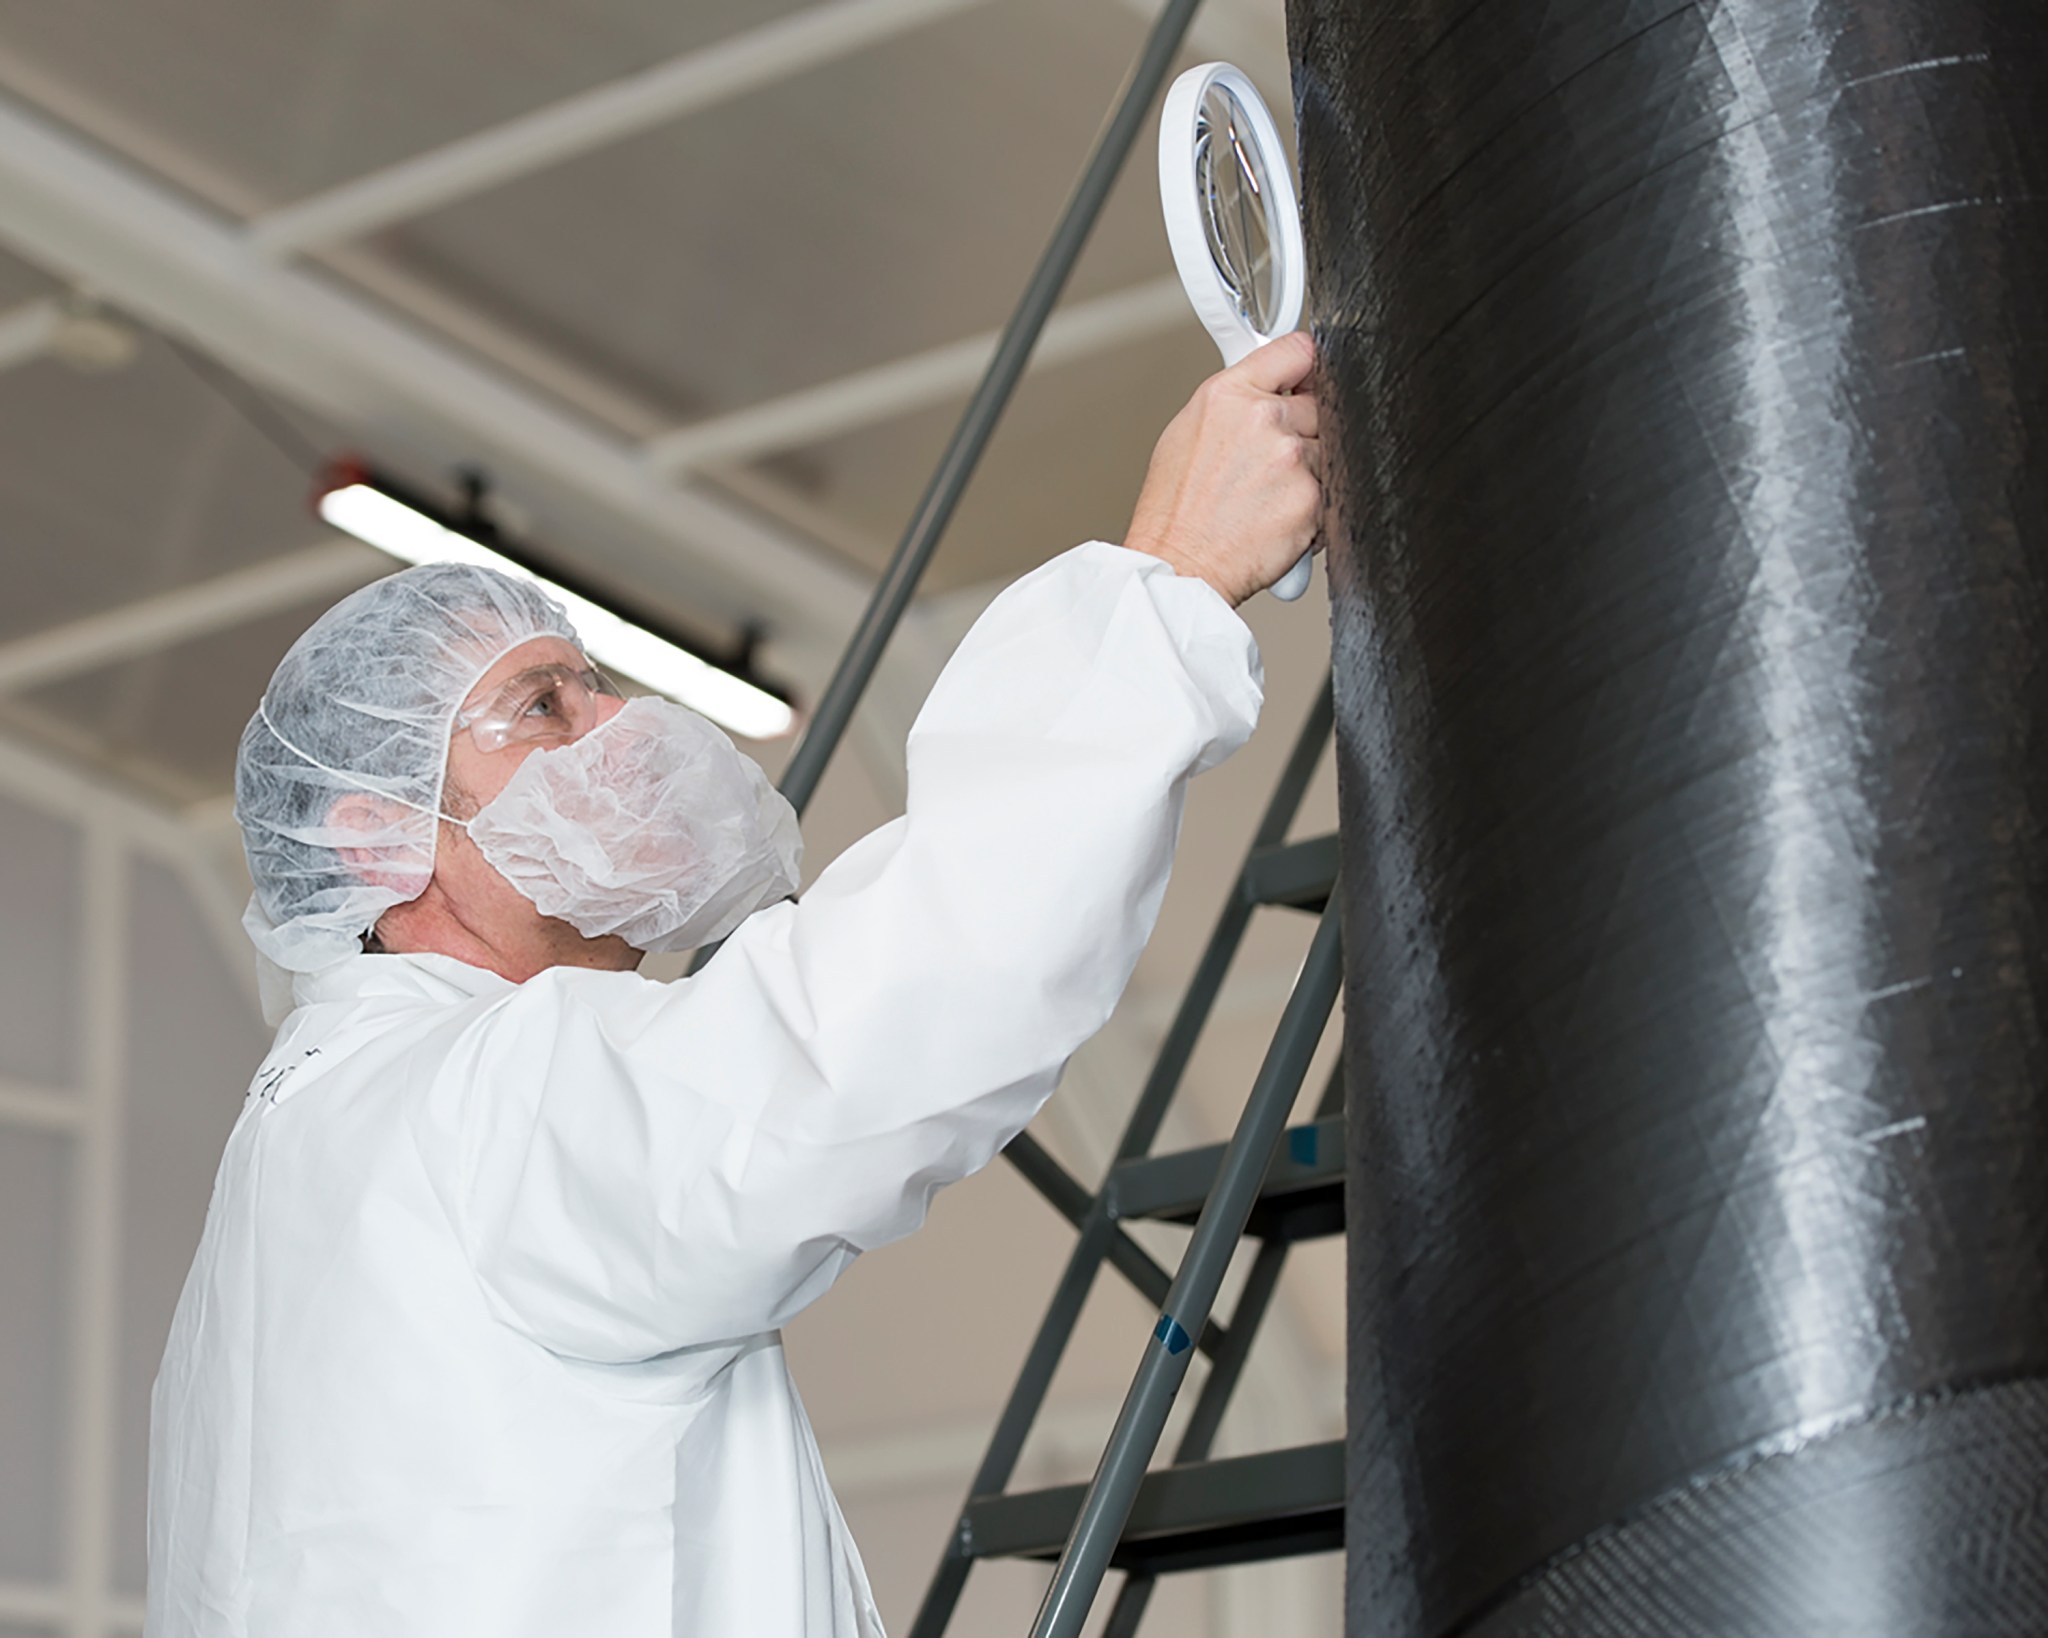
<point>179,615</point>
<point>1079,330</point>
<point>93,220</point>
<point>592,119</point>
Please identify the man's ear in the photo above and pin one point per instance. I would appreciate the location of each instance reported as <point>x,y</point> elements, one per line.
<point>404,867</point>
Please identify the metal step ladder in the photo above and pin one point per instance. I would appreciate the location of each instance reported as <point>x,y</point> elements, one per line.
<point>1277,1184</point>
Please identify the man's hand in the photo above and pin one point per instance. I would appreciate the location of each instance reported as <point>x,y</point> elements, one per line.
<point>1234,492</point>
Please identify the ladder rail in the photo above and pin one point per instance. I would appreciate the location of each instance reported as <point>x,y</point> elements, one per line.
<point>1198,1439</point>
<point>1167,1354</point>
<point>1261,1282</point>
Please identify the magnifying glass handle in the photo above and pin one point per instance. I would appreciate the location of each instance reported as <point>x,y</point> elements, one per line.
<point>1288,588</point>
<point>1295,581</point>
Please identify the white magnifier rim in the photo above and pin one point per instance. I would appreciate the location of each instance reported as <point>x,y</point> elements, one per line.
<point>1180,200</point>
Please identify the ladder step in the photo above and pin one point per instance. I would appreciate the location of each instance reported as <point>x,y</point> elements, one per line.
<point>1301,875</point>
<point>1302,1199</point>
<point>1238,1510</point>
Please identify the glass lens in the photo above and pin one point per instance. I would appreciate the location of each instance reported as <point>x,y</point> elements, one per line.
<point>1237,207</point>
<point>550,704</point>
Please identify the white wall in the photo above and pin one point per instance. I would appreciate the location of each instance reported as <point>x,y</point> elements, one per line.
<point>125,1041</point>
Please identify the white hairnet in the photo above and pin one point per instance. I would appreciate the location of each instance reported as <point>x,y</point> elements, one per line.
<point>363,703</point>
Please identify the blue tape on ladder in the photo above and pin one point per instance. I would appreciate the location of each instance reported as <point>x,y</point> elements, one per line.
<point>1301,1145</point>
<point>1170,1331</point>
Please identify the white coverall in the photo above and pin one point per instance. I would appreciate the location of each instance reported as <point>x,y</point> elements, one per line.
<point>481,1335</point>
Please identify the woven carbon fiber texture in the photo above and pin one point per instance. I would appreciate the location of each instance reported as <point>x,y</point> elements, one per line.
<point>1686,374</point>
<point>1945,1501</point>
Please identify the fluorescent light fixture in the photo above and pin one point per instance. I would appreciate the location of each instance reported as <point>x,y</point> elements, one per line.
<point>390,525</point>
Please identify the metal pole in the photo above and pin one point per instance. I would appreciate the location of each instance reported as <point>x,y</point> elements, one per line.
<point>1228,1367</point>
<point>991,398</point>
<point>1210,1404</point>
<point>1245,1163</point>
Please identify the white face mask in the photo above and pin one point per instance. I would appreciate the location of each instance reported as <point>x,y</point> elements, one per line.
<point>652,826</point>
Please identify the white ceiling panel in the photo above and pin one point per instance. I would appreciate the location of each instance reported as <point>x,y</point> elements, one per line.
<point>115,486</point>
<point>890,202</point>
<point>285,99</point>
<point>1065,465</point>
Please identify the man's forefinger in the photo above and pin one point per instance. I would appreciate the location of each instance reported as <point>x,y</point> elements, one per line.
<point>1279,366</point>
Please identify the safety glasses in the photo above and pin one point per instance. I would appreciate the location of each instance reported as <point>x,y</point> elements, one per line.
<point>545,705</point>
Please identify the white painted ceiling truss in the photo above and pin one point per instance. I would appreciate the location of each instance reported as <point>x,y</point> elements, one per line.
<point>109,230</point>
<point>687,85</point>
<point>98,223</point>
<point>939,376</point>
<point>132,629</point>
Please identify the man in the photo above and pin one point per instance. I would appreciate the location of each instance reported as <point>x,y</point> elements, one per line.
<point>481,1337</point>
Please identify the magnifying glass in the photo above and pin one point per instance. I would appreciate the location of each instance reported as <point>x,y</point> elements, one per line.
<point>1232,221</point>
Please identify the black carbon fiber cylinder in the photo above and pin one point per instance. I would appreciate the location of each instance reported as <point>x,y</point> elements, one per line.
<point>1685,376</point>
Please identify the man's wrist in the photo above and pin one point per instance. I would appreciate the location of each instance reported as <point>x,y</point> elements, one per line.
<point>1183,562</point>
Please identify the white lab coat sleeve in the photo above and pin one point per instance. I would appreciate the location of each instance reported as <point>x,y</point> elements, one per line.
<point>647,1167</point>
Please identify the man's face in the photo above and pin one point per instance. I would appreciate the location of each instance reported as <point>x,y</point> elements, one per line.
<point>476,774</point>
<point>471,887</point>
